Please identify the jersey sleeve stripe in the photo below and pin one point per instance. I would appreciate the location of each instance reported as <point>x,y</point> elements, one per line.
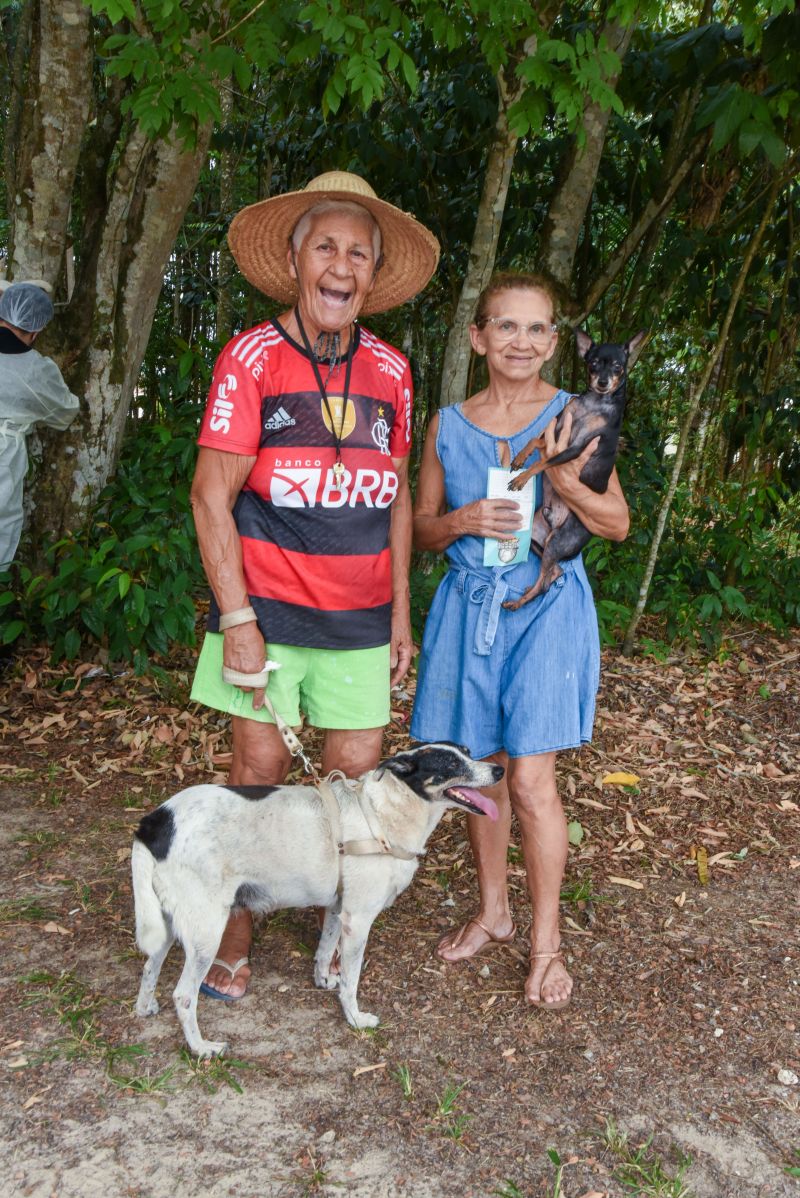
<point>381,350</point>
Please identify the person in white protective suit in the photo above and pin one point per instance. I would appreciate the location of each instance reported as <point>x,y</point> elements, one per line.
<point>32,392</point>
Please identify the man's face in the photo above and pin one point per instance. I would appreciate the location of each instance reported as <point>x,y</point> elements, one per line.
<point>336,269</point>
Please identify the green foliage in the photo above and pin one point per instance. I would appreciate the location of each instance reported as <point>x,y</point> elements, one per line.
<point>425,578</point>
<point>124,581</point>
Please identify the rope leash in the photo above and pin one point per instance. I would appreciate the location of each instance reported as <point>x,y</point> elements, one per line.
<point>378,845</point>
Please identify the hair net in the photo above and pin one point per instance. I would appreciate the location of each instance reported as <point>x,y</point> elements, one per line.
<point>26,306</point>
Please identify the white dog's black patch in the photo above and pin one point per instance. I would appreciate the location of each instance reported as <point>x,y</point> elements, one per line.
<point>156,831</point>
<point>254,793</point>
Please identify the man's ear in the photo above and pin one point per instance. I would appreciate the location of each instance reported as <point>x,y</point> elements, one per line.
<point>290,260</point>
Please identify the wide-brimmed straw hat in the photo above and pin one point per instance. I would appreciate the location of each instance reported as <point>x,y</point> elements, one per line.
<point>259,238</point>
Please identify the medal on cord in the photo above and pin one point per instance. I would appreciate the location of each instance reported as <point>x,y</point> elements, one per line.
<point>338,465</point>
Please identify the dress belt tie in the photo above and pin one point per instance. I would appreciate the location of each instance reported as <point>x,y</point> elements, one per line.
<point>490,594</point>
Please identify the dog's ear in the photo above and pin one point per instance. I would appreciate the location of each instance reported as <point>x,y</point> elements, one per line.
<point>632,346</point>
<point>401,765</point>
<point>585,342</point>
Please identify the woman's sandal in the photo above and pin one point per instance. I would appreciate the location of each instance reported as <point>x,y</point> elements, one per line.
<point>541,1003</point>
<point>488,946</point>
<point>212,992</point>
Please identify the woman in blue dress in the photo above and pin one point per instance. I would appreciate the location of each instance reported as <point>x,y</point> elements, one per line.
<point>514,686</point>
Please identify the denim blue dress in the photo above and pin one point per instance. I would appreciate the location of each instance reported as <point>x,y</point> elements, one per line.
<point>491,679</point>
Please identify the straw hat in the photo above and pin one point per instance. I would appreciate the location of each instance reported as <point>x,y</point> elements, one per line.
<point>259,238</point>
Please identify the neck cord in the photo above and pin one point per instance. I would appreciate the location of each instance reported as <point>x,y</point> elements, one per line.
<point>338,467</point>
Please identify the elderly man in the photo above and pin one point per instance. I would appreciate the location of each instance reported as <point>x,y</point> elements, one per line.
<point>32,392</point>
<point>301,497</point>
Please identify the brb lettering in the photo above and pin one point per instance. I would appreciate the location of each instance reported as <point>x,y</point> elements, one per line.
<point>303,483</point>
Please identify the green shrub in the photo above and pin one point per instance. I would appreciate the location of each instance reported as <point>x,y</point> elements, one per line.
<point>125,580</point>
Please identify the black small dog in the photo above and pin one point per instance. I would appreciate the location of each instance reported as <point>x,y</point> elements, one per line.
<point>558,534</point>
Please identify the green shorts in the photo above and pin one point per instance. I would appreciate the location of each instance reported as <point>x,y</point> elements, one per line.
<point>334,688</point>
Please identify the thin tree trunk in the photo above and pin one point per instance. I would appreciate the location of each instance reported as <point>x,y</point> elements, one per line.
<point>225,265</point>
<point>696,395</point>
<point>651,212</point>
<point>49,132</point>
<point>483,251</point>
<point>151,191</point>
<point>565,217</point>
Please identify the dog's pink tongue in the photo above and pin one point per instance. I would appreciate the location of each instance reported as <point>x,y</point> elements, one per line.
<point>481,801</point>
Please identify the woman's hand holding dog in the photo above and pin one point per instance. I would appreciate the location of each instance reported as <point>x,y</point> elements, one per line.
<point>604,515</point>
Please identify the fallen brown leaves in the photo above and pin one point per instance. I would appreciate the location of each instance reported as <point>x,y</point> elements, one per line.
<point>675,914</point>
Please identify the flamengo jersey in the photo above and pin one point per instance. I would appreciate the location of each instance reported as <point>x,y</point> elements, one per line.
<point>316,558</point>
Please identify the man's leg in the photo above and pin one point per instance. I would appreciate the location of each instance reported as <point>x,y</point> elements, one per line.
<point>260,758</point>
<point>351,752</point>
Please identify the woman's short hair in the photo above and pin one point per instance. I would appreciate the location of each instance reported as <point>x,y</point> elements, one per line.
<point>513,280</point>
<point>303,226</point>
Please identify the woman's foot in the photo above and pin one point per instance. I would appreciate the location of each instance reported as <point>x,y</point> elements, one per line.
<point>475,937</point>
<point>234,946</point>
<point>548,984</point>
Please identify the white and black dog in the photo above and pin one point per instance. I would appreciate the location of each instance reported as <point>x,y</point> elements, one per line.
<point>211,848</point>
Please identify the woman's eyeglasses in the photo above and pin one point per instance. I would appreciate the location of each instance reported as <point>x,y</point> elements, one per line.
<point>507,330</point>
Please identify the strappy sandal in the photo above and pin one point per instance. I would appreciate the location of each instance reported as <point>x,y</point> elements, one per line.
<point>212,992</point>
<point>541,1003</point>
<point>488,946</point>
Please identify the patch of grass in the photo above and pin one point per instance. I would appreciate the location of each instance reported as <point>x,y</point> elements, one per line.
<point>38,843</point>
<point>793,1170</point>
<point>580,891</point>
<point>53,795</point>
<point>64,996</point>
<point>402,1075</point>
<point>508,1189</point>
<point>451,1123</point>
<point>76,1009</point>
<point>214,1072</point>
<point>148,1082</point>
<point>314,1176</point>
<point>24,910</point>
<point>514,854</point>
<point>641,1170</point>
<point>555,1160</point>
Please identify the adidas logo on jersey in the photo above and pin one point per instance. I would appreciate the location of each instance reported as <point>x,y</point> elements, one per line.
<point>278,420</point>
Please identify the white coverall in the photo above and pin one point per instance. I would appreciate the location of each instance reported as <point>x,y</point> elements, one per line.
<point>32,391</point>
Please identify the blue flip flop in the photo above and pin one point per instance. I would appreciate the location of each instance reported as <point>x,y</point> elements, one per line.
<point>212,992</point>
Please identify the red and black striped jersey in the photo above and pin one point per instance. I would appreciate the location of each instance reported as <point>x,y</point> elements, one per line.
<point>316,556</point>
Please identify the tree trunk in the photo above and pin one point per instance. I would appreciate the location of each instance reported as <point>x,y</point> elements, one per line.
<point>483,251</point>
<point>132,194</point>
<point>49,130</point>
<point>225,263</point>
<point>152,188</point>
<point>565,217</point>
<point>696,396</point>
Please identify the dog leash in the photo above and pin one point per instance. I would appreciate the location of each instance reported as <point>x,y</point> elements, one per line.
<point>378,844</point>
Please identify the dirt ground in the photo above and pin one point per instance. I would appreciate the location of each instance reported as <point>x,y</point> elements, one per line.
<point>674,1071</point>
